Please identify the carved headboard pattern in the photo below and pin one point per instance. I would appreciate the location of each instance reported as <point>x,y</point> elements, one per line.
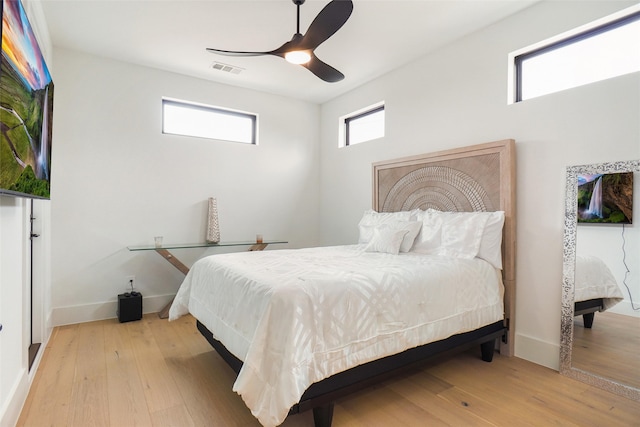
<point>470,179</point>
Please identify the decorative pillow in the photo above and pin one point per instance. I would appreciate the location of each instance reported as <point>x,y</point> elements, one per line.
<point>386,239</point>
<point>429,239</point>
<point>371,219</point>
<point>413,229</point>
<point>491,244</point>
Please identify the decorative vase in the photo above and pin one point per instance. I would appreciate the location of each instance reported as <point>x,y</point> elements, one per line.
<point>213,228</point>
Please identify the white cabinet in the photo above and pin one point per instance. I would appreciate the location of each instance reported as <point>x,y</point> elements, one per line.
<point>14,218</point>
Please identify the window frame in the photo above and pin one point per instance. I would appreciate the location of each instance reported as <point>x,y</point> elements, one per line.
<point>212,109</point>
<point>346,121</point>
<point>568,38</point>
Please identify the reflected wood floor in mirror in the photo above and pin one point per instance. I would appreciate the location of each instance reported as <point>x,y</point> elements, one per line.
<point>610,349</point>
<point>158,373</point>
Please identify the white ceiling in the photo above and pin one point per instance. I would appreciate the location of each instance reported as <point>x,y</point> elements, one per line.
<point>172,35</point>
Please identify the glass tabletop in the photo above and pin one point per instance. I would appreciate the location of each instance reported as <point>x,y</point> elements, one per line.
<point>202,245</point>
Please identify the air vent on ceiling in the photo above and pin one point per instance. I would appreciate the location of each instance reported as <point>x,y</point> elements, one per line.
<point>227,68</point>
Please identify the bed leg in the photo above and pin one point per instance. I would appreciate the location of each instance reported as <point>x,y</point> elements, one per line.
<point>323,415</point>
<point>588,319</point>
<point>487,350</point>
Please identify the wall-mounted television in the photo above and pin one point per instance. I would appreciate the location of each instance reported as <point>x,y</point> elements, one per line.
<point>26,108</point>
<point>605,198</point>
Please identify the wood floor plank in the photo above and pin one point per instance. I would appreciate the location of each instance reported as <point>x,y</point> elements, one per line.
<point>423,389</point>
<point>127,403</point>
<point>178,416</point>
<point>623,412</point>
<point>482,408</point>
<point>89,403</point>
<point>159,387</point>
<point>381,406</point>
<point>191,337</point>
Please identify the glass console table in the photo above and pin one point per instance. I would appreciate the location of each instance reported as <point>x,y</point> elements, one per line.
<point>163,250</point>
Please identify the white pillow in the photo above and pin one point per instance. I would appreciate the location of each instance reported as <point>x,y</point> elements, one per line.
<point>491,244</point>
<point>411,227</point>
<point>386,239</point>
<point>461,234</point>
<point>455,234</point>
<point>371,219</point>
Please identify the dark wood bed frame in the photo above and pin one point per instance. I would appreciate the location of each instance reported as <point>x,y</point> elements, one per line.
<point>587,309</point>
<point>477,178</point>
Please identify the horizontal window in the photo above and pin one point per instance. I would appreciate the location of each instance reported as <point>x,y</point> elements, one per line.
<point>604,49</point>
<point>203,121</point>
<point>364,125</point>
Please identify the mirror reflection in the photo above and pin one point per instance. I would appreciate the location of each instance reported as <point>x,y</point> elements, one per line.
<point>601,290</point>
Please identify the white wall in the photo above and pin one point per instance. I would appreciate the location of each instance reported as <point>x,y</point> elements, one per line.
<point>458,96</point>
<point>118,181</point>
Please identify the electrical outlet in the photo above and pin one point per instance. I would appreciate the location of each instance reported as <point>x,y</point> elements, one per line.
<point>130,282</point>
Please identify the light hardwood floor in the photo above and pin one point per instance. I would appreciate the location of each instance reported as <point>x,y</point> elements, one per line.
<point>158,373</point>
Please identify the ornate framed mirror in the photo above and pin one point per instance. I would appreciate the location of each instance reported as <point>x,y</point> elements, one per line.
<point>601,350</point>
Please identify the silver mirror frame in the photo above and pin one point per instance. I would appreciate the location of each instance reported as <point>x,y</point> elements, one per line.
<point>568,277</point>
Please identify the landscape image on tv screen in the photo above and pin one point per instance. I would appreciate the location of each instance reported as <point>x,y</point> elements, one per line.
<point>605,198</point>
<point>26,108</point>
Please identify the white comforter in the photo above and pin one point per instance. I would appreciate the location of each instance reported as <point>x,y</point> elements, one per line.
<point>595,280</point>
<point>296,317</point>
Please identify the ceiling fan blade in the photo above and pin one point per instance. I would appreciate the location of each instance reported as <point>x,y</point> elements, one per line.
<point>286,47</point>
<point>277,52</point>
<point>236,53</point>
<point>327,23</point>
<point>324,71</point>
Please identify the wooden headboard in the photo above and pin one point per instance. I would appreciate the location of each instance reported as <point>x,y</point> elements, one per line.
<point>468,179</point>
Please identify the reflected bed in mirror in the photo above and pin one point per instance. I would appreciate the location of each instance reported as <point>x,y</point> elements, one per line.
<point>601,278</point>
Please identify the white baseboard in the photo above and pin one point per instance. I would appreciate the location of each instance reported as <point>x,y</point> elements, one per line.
<point>10,412</point>
<point>537,351</point>
<point>101,311</point>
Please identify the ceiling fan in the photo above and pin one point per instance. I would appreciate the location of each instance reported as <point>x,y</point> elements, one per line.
<point>299,50</point>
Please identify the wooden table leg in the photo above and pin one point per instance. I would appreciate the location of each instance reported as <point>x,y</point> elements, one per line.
<point>164,313</point>
<point>173,260</point>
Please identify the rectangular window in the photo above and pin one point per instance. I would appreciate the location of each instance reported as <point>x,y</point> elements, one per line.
<point>204,121</point>
<point>363,125</point>
<point>601,50</point>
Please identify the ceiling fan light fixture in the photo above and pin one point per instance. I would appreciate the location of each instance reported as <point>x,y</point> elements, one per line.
<point>297,57</point>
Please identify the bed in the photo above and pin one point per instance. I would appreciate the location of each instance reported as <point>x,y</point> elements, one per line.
<point>596,288</point>
<point>284,320</point>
